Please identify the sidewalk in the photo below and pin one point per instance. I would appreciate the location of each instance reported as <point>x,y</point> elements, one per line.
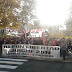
<point>68,59</point>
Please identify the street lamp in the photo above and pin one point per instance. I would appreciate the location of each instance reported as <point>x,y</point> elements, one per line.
<point>24,23</point>
<point>25,29</point>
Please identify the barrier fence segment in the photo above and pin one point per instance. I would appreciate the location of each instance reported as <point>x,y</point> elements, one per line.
<point>52,52</point>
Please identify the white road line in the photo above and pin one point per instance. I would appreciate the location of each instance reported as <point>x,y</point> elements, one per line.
<point>13,59</point>
<point>7,63</point>
<point>8,66</point>
<point>11,62</point>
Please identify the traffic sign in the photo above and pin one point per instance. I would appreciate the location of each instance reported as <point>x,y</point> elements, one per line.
<point>2,30</point>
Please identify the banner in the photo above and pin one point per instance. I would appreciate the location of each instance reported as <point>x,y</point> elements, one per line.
<point>38,32</point>
<point>52,52</point>
<point>14,32</point>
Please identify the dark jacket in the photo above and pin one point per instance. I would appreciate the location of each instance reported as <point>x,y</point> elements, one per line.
<point>1,42</point>
<point>63,45</point>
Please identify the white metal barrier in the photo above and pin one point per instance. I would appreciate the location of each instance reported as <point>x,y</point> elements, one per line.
<point>52,52</point>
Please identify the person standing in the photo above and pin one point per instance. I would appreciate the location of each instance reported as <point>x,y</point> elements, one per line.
<point>63,47</point>
<point>1,42</point>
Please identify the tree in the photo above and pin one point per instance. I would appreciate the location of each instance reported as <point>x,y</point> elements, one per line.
<point>7,16</point>
<point>27,11</point>
<point>36,24</point>
<point>68,31</point>
<point>68,24</point>
<point>54,31</point>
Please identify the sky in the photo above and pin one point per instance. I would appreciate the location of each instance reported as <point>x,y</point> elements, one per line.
<point>53,12</point>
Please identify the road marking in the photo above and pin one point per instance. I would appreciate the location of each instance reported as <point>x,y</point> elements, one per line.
<point>13,59</point>
<point>8,66</point>
<point>11,62</point>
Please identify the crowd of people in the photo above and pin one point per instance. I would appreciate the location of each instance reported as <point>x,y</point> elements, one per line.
<point>64,44</point>
<point>36,41</point>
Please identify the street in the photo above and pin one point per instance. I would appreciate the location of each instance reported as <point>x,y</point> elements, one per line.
<point>44,66</point>
<point>22,65</point>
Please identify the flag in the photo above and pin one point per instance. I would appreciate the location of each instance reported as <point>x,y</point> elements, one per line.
<point>43,38</point>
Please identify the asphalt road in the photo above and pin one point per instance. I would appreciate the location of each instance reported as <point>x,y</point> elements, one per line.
<point>44,66</point>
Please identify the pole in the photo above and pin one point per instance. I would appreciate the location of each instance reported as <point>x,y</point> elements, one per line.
<point>24,26</point>
<point>25,31</point>
<point>2,35</point>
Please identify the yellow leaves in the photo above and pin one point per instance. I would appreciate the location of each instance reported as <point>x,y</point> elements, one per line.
<point>0,10</point>
<point>68,37</point>
<point>31,25</point>
<point>1,17</point>
<point>1,28</point>
<point>56,35</point>
<point>15,24</point>
<point>6,12</point>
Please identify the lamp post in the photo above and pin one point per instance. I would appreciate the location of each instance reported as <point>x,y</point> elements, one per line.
<point>25,29</point>
<point>24,26</point>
